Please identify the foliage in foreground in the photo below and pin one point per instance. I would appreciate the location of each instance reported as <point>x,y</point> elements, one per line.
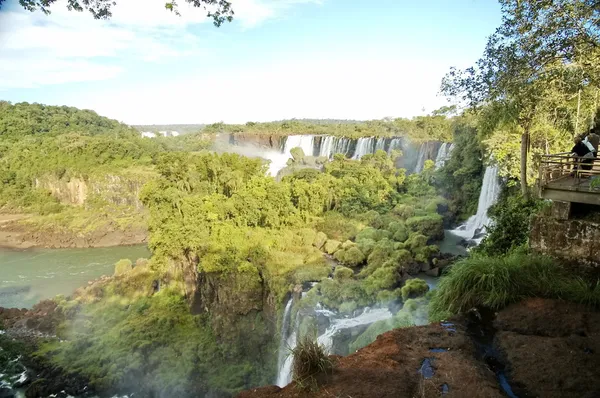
<point>309,360</point>
<point>510,224</point>
<point>495,282</point>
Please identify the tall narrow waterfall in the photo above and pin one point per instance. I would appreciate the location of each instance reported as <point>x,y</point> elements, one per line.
<point>327,146</point>
<point>288,342</point>
<point>363,146</point>
<point>443,155</point>
<point>421,158</point>
<point>490,190</point>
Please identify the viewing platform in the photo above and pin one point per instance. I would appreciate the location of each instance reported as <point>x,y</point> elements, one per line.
<point>564,178</point>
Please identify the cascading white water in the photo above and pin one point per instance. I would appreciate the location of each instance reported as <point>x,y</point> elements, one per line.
<point>380,144</point>
<point>363,146</point>
<point>302,141</point>
<point>279,160</point>
<point>367,317</point>
<point>421,157</point>
<point>443,155</point>
<point>395,144</point>
<point>288,342</point>
<point>327,146</point>
<point>490,190</point>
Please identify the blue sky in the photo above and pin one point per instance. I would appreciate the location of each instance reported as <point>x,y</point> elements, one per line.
<point>279,59</point>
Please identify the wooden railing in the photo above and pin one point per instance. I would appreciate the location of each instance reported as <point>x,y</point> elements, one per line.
<point>572,173</point>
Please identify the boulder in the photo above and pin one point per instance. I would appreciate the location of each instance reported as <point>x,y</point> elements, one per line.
<point>320,240</point>
<point>332,245</point>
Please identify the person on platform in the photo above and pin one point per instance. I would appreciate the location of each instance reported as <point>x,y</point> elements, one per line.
<point>594,140</point>
<point>583,155</point>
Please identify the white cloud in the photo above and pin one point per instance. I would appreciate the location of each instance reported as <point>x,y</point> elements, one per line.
<point>319,88</point>
<point>68,46</point>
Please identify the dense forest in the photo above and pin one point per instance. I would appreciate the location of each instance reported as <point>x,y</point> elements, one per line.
<point>231,245</point>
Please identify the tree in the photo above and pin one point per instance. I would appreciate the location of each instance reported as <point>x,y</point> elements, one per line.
<point>219,10</point>
<point>540,46</point>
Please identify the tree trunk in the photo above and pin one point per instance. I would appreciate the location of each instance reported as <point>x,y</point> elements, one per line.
<point>524,150</point>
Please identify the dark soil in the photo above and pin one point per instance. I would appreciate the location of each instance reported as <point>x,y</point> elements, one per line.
<point>551,348</point>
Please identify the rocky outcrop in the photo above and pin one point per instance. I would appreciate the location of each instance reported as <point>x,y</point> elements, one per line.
<point>241,308</point>
<point>538,348</point>
<point>22,235</point>
<point>270,141</point>
<point>120,190</point>
<point>575,241</point>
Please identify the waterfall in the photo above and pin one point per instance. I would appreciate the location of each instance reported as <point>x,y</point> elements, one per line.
<point>380,144</point>
<point>395,144</point>
<point>306,142</point>
<point>490,190</point>
<point>287,342</point>
<point>421,158</point>
<point>327,146</point>
<point>363,146</point>
<point>443,155</point>
<point>367,317</point>
<point>342,146</point>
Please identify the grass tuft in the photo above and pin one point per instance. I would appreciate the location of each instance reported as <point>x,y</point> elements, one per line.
<point>495,282</point>
<point>309,361</point>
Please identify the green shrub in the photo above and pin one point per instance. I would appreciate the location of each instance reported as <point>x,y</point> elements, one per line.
<point>331,246</point>
<point>338,227</point>
<point>334,293</point>
<point>348,307</point>
<point>430,225</point>
<point>414,288</point>
<point>352,256</point>
<point>366,246</point>
<point>510,227</point>
<point>341,273</point>
<point>123,266</point>
<point>404,211</point>
<point>495,282</point>
<point>382,278</point>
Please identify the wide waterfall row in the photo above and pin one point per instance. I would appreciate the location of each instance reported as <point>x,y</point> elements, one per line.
<point>278,149</point>
<point>328,145</point>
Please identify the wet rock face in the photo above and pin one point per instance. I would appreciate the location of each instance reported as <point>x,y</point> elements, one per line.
<point>576,241</point>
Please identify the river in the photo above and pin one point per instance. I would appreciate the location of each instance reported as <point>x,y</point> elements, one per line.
<point>28,276</point>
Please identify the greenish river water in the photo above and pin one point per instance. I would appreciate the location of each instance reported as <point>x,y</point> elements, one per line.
<point>28,276</point>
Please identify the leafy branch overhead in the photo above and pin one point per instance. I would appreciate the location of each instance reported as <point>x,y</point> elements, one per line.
<point>219,10</point>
